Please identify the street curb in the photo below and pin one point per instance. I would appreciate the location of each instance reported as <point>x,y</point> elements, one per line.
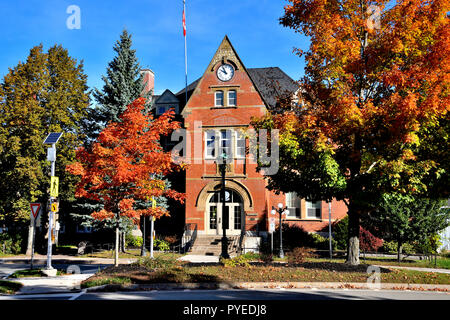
<point>271,285</point>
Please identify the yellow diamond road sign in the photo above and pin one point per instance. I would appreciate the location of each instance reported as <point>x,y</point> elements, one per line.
<point>54,184</point>
<point>55,207</point>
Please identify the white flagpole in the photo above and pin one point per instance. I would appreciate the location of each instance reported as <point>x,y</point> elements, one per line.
<point>185,47</point>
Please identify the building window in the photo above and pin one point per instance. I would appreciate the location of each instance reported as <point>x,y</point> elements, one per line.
<point>219,98</point>
<point>240,145</point>
<point>213,217</point>
<point>163,109</point>
<point>229,141</point>
<point>210,144</point>
<point>293,204</point>
<point>237,218</point>
<point>314,209</point>
<point>225,143</point>
<point>83,229</point>
<point>232,98</point>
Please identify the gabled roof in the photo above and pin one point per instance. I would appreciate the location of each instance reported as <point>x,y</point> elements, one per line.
<point>270,82</point>
<point>166,97</point>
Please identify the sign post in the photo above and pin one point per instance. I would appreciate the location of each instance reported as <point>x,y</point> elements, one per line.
<point>35,209</point>
<point>152,224</point>
<point>271,231</point>
<point>52,139</point>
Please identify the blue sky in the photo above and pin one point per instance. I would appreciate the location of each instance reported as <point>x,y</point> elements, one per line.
<point>251,25</point>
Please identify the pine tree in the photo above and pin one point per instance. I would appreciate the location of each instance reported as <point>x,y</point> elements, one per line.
<point>123,84</point>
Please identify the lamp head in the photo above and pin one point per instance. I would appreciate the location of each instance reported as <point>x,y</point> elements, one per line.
<point>280,205</point>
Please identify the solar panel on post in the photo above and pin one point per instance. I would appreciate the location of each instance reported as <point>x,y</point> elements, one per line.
<point>53,138</point>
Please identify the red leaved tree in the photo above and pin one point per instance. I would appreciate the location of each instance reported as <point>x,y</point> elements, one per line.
<point>125,164</point>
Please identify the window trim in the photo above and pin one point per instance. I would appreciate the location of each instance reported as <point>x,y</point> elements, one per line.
<point>209,157</point>
<point>308,207</point>
<point>236,154</point>
<point>215,98</point>
<point>298,210</point>
<point>228,98</point>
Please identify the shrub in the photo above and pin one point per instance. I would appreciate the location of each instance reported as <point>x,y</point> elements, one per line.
<point>171,239</point>
<point>322,243</point>
<point>10,244</point>
<point>299,255</point>
<point>367,241</point>
<point>266,257</point>
<point>234,262</point>
<point>161,245</point>
<point>132,241</point>
<point>340,230</point>
<point>391,247</point>
<point>251,256</point>
<point>158,262</point>
<point>429,245</point>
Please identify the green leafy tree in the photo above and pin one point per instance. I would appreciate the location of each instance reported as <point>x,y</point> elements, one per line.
<point>372,113</point>
<point>46,93</point>
<point>404,219</point>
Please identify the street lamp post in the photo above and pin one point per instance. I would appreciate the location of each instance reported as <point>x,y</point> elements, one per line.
<point>280,211</point>
<point>222,168</point>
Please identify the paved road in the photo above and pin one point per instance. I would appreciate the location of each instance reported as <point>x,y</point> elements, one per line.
<point>260,294</point>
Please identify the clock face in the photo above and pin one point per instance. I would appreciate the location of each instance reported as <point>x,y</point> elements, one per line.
<point>225,72</point>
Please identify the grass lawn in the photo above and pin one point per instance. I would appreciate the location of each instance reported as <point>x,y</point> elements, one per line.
<point>26,273</point>
<point>130,254</point>
<point>441,263</point>
<point>320,271</point>
<point>9,287</point>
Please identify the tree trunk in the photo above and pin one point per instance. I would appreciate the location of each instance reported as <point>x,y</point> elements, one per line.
<point>399,251</point>
<point>142,224</point>
<point>353,237</point>
<point>30,239</point>
<point>116,248</point>
<point>123,241</point>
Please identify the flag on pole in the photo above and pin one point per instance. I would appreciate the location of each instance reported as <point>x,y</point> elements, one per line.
<point>184,20</point>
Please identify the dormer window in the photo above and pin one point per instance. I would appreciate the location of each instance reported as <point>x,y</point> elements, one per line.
<point>219,98</point>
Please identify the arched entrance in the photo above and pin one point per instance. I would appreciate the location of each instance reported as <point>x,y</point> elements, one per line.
<point>232,217</point>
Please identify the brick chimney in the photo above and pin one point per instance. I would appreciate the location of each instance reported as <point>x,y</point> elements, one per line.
<point>149,78</point>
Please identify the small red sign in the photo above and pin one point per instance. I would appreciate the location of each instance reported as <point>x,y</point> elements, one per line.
<point>35,209</point>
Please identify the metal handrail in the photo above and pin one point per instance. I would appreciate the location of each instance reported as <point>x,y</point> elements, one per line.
<point>189,236</point>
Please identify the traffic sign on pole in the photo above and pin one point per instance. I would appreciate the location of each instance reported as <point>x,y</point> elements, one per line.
<point>54,207</point>
<point>54,183</point>
<point>35,207</point>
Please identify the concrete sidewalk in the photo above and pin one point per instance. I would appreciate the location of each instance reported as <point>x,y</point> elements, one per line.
<point>38,285</point>
<point>62,259</point>
<point>447,271</point>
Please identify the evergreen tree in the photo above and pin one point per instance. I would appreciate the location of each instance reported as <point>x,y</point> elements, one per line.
<point>123,84</point>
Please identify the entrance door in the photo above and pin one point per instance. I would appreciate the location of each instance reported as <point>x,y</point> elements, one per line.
<point>232,216</point>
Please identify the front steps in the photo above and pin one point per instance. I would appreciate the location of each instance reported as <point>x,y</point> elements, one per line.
<point>211,245</point>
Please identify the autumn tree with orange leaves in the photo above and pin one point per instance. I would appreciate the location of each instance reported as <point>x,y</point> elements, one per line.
<point>125,165</point>
<point>372,112</point>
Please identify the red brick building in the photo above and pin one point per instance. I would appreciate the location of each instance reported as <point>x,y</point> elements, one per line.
<point>217,114</point>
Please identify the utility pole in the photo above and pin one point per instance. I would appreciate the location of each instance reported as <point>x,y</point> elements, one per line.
<point>223,168</point>
<point>329,230</point>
